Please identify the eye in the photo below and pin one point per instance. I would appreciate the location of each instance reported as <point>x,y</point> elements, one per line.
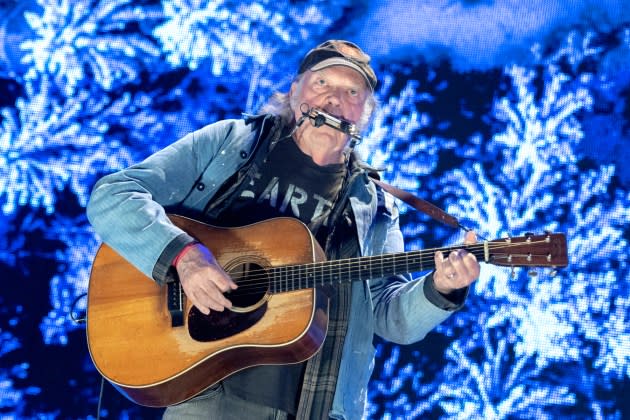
<point>355,95</point>
<point>321,82</point>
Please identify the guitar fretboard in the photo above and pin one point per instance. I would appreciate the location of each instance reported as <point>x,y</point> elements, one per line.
<point>298,277</point>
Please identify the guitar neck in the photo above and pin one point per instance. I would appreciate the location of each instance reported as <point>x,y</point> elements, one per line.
<point>549,250</point>
<point>297,277</point>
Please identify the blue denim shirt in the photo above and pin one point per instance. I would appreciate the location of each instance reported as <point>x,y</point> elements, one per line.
<point>128,210</point>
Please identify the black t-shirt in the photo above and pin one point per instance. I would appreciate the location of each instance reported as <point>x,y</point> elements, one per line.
<point>290,184</point>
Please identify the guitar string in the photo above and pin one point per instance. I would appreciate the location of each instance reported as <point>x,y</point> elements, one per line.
<point>260,280</point>
<point>264,286</point>
<point>350,266</point>
<point>281,286</point>
<point>426,255</point>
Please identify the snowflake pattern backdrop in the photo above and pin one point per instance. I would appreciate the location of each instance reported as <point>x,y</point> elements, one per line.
<point>512,116</point>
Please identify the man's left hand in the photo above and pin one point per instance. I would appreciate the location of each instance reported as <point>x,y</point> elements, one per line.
<point>458,270</point>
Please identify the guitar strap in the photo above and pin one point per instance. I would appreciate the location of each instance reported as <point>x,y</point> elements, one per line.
<point>419,204</point>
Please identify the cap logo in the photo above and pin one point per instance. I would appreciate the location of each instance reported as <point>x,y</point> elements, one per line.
<point>351,52</point>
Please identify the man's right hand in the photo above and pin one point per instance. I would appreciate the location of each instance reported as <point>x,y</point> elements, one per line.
<point>203,280</point>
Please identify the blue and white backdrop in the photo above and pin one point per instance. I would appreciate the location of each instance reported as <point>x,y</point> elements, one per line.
<point>514,116</point>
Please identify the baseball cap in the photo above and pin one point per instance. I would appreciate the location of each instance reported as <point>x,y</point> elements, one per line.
<point>339,53</point>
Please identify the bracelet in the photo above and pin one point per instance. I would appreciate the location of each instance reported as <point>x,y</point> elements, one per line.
<point>182,252</point>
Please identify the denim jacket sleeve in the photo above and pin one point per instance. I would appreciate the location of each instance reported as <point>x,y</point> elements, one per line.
<point>126,208</point>
<point>405,310</point>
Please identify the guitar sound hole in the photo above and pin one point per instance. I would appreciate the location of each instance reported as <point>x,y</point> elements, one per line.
<point>253,284</point>
<point>249,304</point>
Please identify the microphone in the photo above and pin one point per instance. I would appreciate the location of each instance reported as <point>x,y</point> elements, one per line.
<point>320,117</point>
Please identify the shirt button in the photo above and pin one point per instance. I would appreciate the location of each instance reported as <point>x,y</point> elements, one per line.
<point>201,186</point>
<point>243,154</point>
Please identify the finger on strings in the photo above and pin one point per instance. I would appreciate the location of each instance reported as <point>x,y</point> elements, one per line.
<point>439,261</point>
<point>470,237</point>
<point>204,309</point>
<point>471,265</point>
<point>217,296</point>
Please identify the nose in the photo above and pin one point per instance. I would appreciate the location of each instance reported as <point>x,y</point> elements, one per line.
<point>334,98</point>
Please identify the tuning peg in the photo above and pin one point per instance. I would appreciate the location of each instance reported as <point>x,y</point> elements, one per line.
<point>513,273</point>
<point>532,273</point>
<point>553,272</point>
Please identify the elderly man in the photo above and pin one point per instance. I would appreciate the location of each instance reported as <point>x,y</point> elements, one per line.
<point>284,163</point>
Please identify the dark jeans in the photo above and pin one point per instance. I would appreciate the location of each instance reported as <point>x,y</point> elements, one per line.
<point>215,404</point>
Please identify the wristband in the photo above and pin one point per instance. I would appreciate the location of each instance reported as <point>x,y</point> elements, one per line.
<point>182,252</point>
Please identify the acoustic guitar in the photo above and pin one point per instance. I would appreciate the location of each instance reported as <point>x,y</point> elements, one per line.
<point>158,350</point>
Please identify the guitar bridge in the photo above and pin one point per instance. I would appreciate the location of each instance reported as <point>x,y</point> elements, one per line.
<point>174,296</point>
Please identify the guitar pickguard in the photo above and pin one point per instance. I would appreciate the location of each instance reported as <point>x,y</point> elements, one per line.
<point>219,325</point>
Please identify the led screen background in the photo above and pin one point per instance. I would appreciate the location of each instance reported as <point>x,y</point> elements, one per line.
<point>513,116</point>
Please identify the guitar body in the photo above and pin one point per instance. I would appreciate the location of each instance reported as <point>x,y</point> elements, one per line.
<point>158,350</point>
<point>134,346</point>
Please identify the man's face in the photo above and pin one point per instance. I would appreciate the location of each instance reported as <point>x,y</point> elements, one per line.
<point>338,90</point>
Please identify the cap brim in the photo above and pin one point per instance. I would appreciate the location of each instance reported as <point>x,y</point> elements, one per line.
<point>340,61</point>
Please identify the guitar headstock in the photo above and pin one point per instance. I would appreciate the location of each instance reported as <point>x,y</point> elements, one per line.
<point>548,250</point>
